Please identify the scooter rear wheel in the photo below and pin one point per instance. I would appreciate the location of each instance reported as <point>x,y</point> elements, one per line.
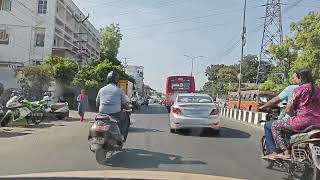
<point>101,155</point>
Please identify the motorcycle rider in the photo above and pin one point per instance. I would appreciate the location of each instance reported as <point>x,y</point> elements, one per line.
<point>285,95</point>
<point>111,100</point>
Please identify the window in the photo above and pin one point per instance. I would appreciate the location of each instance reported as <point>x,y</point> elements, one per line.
<point>42,6</point>
<point>5,5</point>
<point>194,99</point>
<point>40,39</point>
<point>4,37</point>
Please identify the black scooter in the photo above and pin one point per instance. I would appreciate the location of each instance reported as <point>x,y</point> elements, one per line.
<point>106,136</point>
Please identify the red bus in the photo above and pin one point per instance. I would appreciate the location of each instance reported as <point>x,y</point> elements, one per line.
<point>176,85</point>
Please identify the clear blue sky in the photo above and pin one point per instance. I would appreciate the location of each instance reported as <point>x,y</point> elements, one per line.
<point>157,33</point>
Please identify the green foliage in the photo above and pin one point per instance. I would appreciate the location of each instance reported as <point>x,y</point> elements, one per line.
<point>224,78</point>
<point>94,75</point>
<point>38,74</point>
<point>63,69</point>
<point>37,78</point>
<point>270,85</point>
<point>110,43</point>
<point>302,49</point>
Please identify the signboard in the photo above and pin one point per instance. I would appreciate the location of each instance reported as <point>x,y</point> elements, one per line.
<point>180,85</point>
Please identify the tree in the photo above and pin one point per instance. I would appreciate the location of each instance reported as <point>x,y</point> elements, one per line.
<point>93,75</point>
<point>36,79</point>
<point>303,47</point>
<point>212,71</point>
<point>110,43</point>
<point>224,78</point>
<point>63,69</point>
<point>301,50</point>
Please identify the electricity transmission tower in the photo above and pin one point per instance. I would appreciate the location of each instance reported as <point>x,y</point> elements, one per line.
<point>272,33</point>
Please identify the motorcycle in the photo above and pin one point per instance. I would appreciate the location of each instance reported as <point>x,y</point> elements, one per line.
<point>59,110</point>
<point>19,108</point>
<point>106,137</point>
<point>305,155</point>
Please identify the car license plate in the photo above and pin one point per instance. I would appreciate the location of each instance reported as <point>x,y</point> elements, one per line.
<point>316,150</point>
<point>98,140</point>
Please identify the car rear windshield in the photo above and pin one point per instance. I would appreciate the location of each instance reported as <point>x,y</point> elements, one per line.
<point>194,99</point>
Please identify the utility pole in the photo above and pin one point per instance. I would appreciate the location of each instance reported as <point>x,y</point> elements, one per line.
<point>81,42</point>
<point>125,61</point>
<point>243,38</point>
<point>272,34</point>
<point>192,59</point>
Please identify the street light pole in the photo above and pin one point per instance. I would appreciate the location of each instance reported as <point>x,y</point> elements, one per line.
<point>242,48</point>
<point>192,59</point>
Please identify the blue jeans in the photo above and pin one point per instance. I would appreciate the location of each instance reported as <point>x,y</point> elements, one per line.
<point>271,145</point>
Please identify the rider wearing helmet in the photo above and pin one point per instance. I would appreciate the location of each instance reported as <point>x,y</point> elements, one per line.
<point>111,100</point>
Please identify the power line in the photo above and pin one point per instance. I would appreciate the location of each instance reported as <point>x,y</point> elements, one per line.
<point>291,6</point>
<point>183,30</point>
<point>187,19</point>
<point>142,11</point>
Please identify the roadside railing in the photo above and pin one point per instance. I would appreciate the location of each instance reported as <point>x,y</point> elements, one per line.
<point>244,116</point>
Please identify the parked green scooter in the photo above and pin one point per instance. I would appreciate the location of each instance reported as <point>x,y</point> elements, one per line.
<point>19,109</point>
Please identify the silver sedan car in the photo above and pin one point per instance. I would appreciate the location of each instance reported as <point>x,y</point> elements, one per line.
<point>194,111</point>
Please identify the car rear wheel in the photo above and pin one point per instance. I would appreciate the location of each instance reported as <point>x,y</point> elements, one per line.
<point>173,130</point>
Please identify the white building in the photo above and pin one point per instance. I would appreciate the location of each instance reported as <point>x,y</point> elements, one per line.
<point>137,73</point>
<point>31,30</point>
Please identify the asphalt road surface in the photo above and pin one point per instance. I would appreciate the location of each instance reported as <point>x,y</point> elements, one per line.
<point>63,146</point>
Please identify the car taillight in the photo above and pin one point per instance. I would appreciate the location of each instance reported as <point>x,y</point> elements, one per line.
<point>315,136</point>
<point>102,128</point>
<point>176,110</point>
<point>214,112</point>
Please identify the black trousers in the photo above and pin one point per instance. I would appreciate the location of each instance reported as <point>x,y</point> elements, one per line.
<point>123,119</point>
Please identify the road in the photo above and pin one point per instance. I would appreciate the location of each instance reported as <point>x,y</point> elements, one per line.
<point>62,146</point>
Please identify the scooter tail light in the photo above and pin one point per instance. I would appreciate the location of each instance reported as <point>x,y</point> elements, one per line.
<point>101,128</point>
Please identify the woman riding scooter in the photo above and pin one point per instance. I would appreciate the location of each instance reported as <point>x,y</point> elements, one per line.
<point>285,95</point>
<point>305,102</point>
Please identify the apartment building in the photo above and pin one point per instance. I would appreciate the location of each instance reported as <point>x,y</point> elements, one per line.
<point>137,73</point>
<point>31,30</point>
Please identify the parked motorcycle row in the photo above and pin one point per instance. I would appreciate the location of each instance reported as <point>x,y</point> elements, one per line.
<point>20,109</point>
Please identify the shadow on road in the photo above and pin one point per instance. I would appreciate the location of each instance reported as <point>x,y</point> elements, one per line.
<point>39,126</point>
<point>224,133</point>
<point>8,134</point>
<point>140,159</point>
<point>152,109</point>
<point>142,130</point>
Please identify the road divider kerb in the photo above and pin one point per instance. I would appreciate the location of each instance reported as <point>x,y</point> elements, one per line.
<point>249,117</point>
